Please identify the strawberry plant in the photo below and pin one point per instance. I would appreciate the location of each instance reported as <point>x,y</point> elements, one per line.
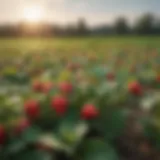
<point>89,109</point>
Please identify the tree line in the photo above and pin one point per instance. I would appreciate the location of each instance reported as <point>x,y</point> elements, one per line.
<point>146,24</point>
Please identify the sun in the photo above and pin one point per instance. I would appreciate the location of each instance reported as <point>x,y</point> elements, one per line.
<point>33,14</point>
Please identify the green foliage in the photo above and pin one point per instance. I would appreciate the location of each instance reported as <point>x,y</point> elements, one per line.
<point>78,133</point>
<point>95,149</point>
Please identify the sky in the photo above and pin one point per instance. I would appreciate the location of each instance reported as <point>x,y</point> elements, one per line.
<point>68,11</point>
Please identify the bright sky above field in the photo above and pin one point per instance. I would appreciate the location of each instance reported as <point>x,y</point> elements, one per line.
<point>63,11</point>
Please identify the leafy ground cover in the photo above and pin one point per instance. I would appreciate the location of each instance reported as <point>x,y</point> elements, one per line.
<point>73,99</point>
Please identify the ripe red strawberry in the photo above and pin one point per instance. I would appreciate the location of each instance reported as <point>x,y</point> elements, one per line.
<point>60,104</point>
<point>32,109</point>
<point>135,88</point>
<point>110,76</point>
<point>71,67</point>
<point>89,111</point>
<point>93,58</point>
<point>22,126</point>
<point>158,78</point>
<point>66,87</point>
<point>37,86</point>
<point>2,135</point>
<point>46,87</point>
<point>133,69</point>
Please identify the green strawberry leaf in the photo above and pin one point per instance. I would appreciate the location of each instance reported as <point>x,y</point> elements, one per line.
<point>95,149</point>
<point>31,135</point>
<point>33,155</point>
<point>113,125</point>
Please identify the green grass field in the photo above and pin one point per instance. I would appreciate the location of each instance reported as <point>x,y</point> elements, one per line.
<point>97,45</point>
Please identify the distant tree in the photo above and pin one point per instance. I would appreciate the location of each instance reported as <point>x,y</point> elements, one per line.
<point>145,24</point>
<point>82,28</point>
<point>70,30</point>
<point>102,30</point>
<point>8,30</point>
<point>56,30</point>
<point>157,27</point>
<point>121,26</point>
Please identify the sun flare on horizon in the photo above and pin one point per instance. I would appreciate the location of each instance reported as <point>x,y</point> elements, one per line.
<point>33,14</point>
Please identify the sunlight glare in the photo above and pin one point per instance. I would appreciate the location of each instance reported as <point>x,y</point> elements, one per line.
<point>33,14</point>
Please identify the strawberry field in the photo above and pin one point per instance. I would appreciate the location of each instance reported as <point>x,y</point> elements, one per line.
<point>80,99</point>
